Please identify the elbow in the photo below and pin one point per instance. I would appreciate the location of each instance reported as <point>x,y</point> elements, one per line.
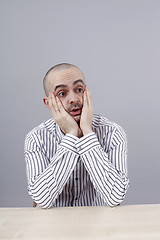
<point>117,196</point>
<point>113,202</point>
<point>42,200</point>
<point>43,205</point>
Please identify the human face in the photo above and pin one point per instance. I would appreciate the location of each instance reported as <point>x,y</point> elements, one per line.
<point>68,85</point>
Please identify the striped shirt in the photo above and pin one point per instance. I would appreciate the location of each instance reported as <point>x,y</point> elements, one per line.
<point>64,170</point>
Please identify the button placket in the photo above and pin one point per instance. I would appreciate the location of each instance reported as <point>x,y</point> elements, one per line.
<point>76,181</point>
<point>78,160</point>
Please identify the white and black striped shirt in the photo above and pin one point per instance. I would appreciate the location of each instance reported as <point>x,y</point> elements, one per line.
<point>63,170</point>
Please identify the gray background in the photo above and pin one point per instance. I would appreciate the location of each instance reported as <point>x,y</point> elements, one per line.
<point>117,46</point>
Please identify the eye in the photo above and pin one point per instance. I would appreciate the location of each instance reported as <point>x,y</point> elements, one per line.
<point>80,89</point>
<point>61,94</point>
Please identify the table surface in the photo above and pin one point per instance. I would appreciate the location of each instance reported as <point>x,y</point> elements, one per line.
<point>130,222</point>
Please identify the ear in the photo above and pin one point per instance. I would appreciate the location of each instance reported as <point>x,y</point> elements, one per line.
<point>45,100</point>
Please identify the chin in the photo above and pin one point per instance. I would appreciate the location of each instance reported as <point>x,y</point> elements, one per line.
<point>77,118</point>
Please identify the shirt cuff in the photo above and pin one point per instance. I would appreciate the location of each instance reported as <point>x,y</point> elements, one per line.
<point>68,142</point>
<point>86,143</point>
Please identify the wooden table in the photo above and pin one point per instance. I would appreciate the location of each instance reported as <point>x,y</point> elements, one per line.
<point>130,222</point>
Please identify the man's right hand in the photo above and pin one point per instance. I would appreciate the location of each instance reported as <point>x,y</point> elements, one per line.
<point>66,123</point>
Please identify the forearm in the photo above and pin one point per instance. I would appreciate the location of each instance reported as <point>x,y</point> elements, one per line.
<point>109,182</point>
<point>45,186</point>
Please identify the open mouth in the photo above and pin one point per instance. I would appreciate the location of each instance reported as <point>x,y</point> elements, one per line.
<point>75,111</point>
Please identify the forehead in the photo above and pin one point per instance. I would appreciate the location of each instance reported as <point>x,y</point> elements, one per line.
<point>66,77</point>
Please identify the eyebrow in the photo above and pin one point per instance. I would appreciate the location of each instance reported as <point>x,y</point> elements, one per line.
<point>60,86</point>
<point>77,81</point>
<point>64,86</point>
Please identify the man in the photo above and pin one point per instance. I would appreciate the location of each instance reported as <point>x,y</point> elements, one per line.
<point>76,158</point>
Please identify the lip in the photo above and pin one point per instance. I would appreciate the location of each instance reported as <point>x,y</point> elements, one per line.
<point>75,111</point>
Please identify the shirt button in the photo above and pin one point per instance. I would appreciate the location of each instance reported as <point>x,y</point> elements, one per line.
<point>76,178</point>
<point>76,198</point>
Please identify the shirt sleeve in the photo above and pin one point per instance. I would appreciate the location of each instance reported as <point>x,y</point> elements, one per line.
<point>107,169</point>
<point>46,179</point>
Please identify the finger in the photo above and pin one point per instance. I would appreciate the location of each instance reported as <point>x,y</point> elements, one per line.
<point>54,102</point>
<point>59,104</point>
<point>50,105</point>
<point>50,102</point>
<point>52,109</point>
<point>86,95</point>
<point>89,97</point>
<point>85,100</point>
<point>85,89</point>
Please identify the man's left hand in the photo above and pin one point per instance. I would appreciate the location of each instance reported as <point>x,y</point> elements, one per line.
<point>87,113</point>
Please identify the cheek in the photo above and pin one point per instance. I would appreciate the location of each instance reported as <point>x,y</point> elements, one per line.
<point>80,99</point>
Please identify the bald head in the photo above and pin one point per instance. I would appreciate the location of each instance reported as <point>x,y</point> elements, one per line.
<point>55,69</point>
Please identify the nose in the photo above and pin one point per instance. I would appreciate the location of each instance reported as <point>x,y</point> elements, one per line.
<point>73,98</point>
